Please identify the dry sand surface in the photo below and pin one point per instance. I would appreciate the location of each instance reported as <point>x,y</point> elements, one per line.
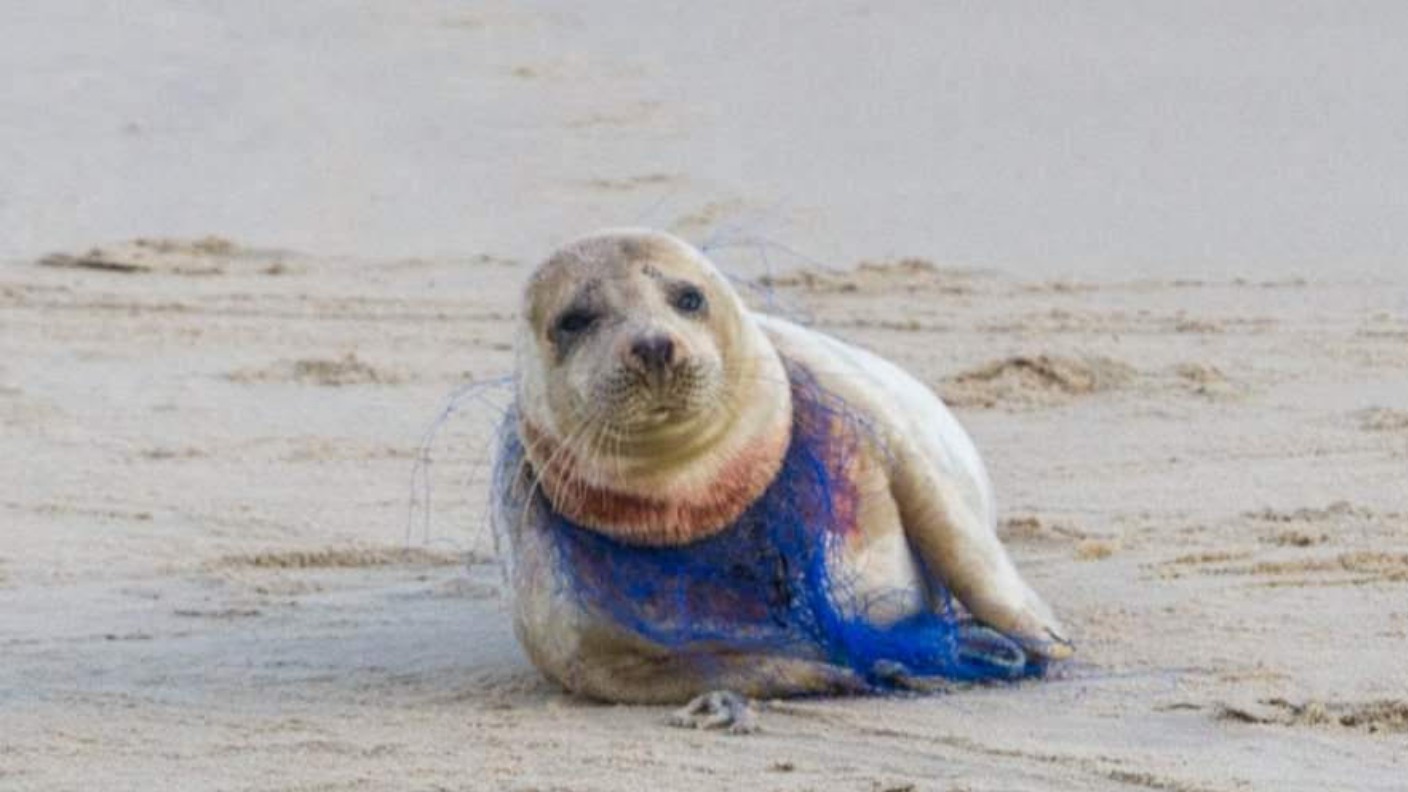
<point>1177,136</point>
<point>206,580</point>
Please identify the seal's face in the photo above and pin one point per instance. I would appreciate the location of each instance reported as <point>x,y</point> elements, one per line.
<point>635,332</point>
<point>651,405</point>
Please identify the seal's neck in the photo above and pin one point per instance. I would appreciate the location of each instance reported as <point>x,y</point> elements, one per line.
<point>689,482</point>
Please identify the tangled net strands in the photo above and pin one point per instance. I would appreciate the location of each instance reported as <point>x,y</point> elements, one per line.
<point>419,506</point>
<point>766,585</point>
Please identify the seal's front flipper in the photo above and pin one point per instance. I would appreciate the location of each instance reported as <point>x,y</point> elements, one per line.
<point>961,552</point>
<point>719,709</point>
<point>1029,623</point>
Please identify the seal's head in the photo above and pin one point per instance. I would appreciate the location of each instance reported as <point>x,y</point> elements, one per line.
<point>652,406</point>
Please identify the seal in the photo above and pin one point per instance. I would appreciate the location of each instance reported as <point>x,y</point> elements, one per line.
<point>702,503</point>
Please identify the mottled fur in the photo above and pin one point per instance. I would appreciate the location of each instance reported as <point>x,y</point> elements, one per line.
<point>669,454</point>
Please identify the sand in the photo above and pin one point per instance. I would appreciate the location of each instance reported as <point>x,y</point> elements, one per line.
<point>1111,136</point>
<point>1150,253</point>
<point>210,579</point>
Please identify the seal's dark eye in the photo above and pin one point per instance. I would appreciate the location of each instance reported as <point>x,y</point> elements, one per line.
<point>575,321</point>
<point>689,300</point>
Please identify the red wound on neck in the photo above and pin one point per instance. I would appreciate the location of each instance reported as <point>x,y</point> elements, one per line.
<point>668,518</point>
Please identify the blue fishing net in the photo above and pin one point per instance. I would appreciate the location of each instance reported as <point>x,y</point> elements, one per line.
<point>765,585</point>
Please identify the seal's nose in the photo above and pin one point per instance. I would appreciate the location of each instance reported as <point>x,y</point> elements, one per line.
<point>655,352</point>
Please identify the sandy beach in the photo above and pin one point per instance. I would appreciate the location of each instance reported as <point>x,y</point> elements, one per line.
<point>248,262</point>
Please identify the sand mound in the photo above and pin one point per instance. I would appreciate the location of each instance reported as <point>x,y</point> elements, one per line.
<point>1388,566</point>
<point>1337,511</point>
<point>1382,419</point>
<point>210,255</point>
<point>1357,568</point>
<point>1370,716</point>
<point>1030,528</point>
<point>1202,379</point>
<point>907,273</point>
<point>343,558</point>
<point>1023,381</point>
<point>328,372</point>
<point>1295,538</point>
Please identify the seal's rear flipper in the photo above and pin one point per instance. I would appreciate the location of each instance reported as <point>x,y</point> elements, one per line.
<point>719,709</point>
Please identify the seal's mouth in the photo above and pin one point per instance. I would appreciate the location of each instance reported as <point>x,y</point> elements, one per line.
<point>640,402</point>
<point>658,411</point>
<point>661,415</point>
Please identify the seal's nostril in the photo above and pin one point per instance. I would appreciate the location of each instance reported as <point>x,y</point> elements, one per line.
<point>656,352</point>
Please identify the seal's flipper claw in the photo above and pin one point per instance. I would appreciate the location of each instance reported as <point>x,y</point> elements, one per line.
<point>719,709</point>
<point>1049,646</point>
<point>1019,614</point>
<point>1041,636</point>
